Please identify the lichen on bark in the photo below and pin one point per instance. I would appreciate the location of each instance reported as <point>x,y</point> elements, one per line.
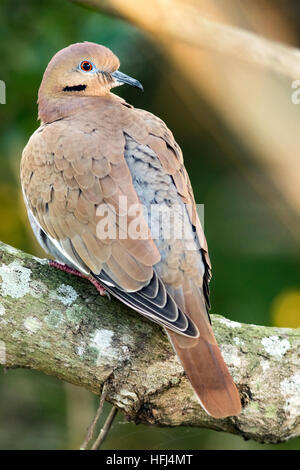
<point>58,324</point>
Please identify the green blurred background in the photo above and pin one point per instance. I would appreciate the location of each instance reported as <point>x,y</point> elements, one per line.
<point>255,257</point>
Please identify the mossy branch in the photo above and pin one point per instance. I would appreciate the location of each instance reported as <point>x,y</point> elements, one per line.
<point>58,324</point>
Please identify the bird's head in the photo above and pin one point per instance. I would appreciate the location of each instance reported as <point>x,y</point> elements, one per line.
<point>82,69</point>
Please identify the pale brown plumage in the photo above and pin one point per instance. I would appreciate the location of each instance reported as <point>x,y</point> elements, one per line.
<point>92,147</point>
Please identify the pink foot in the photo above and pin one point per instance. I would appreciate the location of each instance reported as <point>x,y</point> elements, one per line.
<point>67,269</point>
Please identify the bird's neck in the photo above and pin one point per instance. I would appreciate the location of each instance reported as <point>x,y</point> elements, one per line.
<point>52,109</point>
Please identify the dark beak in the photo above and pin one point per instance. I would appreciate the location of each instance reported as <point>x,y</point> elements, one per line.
<point>121,78</point>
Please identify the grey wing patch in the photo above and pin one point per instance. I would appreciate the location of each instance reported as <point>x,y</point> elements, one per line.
<point>162,205</point>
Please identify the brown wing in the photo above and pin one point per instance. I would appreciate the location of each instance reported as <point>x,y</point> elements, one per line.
<point>70,176</point>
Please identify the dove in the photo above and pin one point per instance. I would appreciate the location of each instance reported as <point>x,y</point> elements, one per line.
<point>93,150</point>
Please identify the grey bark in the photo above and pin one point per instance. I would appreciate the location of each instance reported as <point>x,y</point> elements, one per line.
<point>58,324</point>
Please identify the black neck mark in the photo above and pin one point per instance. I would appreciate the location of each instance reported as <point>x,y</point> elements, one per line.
<point>75,88</point>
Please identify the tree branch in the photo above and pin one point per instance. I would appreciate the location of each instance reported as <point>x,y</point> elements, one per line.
<point>58,324</point>
<point>187,21</point>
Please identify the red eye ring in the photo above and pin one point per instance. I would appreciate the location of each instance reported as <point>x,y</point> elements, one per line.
<point>86,66</point>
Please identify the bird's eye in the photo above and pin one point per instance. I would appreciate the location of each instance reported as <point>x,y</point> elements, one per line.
<point>86,66</point>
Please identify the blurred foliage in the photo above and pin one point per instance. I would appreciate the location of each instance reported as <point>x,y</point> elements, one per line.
<point>256,266</point>
<point>286,309</point>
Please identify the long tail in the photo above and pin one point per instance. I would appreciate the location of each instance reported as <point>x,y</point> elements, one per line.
<point>203,362</point>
